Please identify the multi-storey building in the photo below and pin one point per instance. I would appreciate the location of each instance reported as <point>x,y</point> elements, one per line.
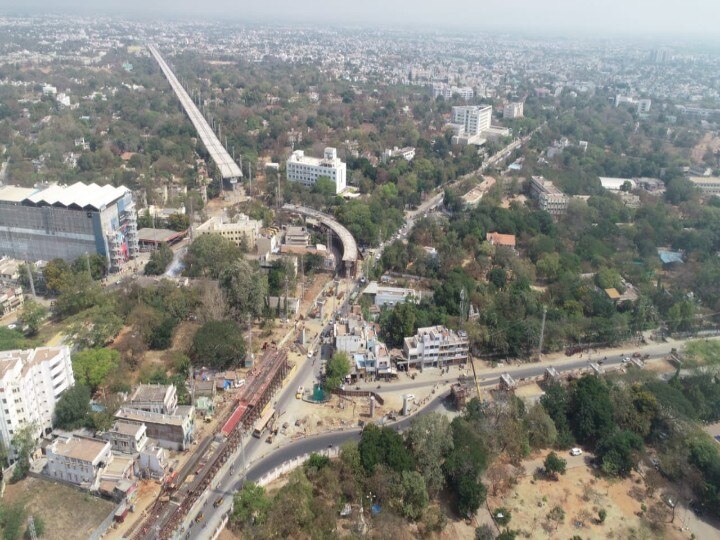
<point>448,91</point>
<point>66,222</point>
<point>173,431</point>
<point>306,169</point>
<point>127,437</point>
<point>31,382</point>
<point>436,346</point>
<point>78,460</point>
<point>11,299</point>
<point>549,197</point>
<point>708,185</point>
<point>471,120</point>
<point>513,110</point>
<point>240,229</point>
<point>156,398</point>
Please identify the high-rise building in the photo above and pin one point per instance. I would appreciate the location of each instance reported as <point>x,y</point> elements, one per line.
<point>472,120</point>
<point>31,382</point>
<point>306,169</point>
<point>66,222</point>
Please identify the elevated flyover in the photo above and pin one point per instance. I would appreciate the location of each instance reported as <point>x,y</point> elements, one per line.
<point>229,170</point>
<point>350,249</point>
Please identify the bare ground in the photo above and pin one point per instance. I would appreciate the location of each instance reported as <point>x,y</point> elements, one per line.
<point>66,512</point>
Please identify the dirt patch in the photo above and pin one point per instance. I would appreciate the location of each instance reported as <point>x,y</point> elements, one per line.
<point>581,494</point>
<point>66,512</point>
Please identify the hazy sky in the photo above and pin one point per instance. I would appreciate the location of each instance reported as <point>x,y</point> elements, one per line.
<point>611,17</point>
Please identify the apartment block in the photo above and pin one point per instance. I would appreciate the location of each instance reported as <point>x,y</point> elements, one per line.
<point>435,346</point>
<point>31,382</point>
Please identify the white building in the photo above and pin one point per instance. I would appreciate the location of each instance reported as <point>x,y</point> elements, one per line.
<point>31,382</point>
<point>306,169</point>
<point>78,460</point>
<point>549,197</point>
<point>471,120</point>
<point>447,91</point>
<point>436,346</point>
<point>127,437</point>
<point>156,398</point>
<point>616,184</point>
<point>513,110</point>
<point>381,295</point>
<point>407,153</point>
<point>708,185</point>
<point>241,227</point>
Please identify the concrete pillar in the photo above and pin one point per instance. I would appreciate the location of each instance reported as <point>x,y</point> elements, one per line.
<point>372,406</point>
<point>406,405</point>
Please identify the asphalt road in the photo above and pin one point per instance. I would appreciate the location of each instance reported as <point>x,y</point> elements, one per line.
<point>230,483</point>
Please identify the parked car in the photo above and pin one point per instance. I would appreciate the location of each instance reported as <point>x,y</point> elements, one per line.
<point>218,502</point>
<point>576,452</point>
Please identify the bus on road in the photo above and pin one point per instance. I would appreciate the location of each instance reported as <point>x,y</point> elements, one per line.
<point>262,424</point>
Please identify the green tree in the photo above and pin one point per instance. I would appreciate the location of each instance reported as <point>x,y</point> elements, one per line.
<point>245,288</point>
<point>32,316</point>
<point>592,410</point>
<point>218,345</point>
<point>619,452</point>
<point>159,261</point>
<point>337,369</point>
<point>73,408</point>
<point>95,327</point>
<point>78,292</point>
<point>484,532</point>
<point>55,274</point>
<point>554,465</point>
<point>430,439</point>
<point>414,494</point>
<point>178,222</point>
<point>209,255</point>
<point>98,265</point>
<point>540,427</point>
<point>383,446</point>
<point>251,506</point>
<point>13,519</point>
<point>502,516</point>
<point>602,514</point>
<point>24,442</point>
<point>92,366</point>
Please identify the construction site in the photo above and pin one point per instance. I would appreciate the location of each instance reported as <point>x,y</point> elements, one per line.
<point>182,490</point>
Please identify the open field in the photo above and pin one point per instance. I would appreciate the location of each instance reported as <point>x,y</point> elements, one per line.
<point>581,494</point>
<point>66,512</point>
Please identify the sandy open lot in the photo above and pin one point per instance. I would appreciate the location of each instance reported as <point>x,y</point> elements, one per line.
<point>581,493</point>
<point>66,512</point>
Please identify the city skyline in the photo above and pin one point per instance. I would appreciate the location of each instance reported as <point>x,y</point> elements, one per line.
<point>556,17</point>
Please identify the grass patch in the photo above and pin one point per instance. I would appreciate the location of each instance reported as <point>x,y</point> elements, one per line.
<point>702,352</point>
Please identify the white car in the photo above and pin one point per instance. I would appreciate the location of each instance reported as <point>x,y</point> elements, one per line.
<point>12,326</point>
<point>310,354</point>
<point>410,397</point>
<point>575,452</point>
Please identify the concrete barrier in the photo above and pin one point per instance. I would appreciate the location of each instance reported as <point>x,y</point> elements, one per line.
<point>293,464</point>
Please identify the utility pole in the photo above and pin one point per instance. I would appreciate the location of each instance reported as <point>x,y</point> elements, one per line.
<point>286,297</point>
<point>87,264</point>
<point>30,279</point>
<point>250,349</point>
<point>542,333</point>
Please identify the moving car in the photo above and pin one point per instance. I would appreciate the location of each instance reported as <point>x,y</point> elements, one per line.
<point>299,393</point>
<point>218,502</point>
